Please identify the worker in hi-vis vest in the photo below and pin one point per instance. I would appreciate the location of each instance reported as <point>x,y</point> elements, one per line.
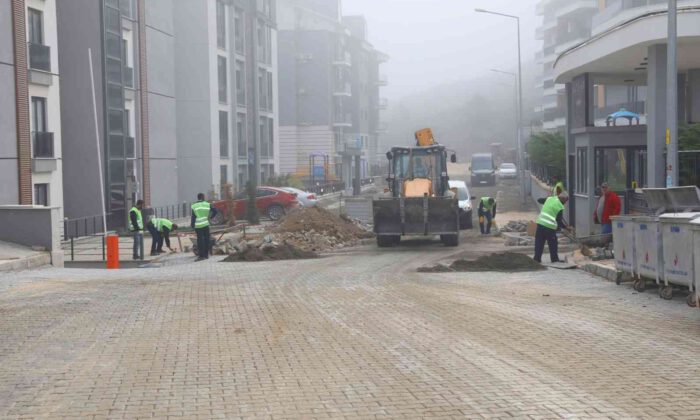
<point>136,229</point>
<point>202,211</point>
<point>487,214</point>
<point>164,227</point>
<point>558,189</point>
<point>550,220</point>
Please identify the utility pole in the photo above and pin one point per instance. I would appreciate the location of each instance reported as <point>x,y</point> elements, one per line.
<point>672,98</point>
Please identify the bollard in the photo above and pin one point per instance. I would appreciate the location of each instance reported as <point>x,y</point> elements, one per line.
<point>113,252</point>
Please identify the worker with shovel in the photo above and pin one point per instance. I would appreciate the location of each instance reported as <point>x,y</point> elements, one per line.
<point>550,220</point>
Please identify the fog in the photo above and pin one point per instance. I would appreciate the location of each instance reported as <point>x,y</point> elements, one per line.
<point>441,53</point>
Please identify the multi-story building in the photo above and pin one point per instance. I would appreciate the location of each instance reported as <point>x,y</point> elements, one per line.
<point>134,103</point>
<point>30,108</point>
<point>623,65</point>
<point>329,89</point>
<point>565,23</point>
<point>226,79</point>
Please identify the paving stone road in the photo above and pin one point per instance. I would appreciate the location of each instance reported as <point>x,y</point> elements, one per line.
<point>355,335</point>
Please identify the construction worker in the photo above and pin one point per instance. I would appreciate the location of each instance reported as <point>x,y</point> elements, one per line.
<point>487,214</point>
<point>164,227</point>
<point>201,212</point>
<point>155,235</point>
<point>558,189</point>
<point>136,229</point>
<point>550,220</point>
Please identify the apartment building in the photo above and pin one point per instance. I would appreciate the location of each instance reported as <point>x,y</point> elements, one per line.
<point>30,108</point>
<point>623,65</point>
<point>565,23</point>
<point>134,98</point>
<point>226,80</point>
<point>329,89</point>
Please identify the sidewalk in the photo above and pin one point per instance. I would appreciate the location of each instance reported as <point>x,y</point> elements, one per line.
<point>17,257</point>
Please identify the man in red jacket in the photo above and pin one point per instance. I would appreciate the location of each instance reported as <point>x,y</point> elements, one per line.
<point>608,205</point>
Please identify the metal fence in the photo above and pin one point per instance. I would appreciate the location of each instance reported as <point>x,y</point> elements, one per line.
<point>547,173</point>
<point>83,226</point>
<point>173,211</point>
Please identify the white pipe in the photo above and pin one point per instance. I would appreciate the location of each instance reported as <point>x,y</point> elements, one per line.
<point>97,141</point>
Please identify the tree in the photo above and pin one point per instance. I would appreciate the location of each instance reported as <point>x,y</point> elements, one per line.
<point>689,137</point>
<point>548,150</point>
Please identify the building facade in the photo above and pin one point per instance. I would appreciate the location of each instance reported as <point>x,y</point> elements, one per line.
<point>329,90</point>
<point>30,109</point>
<point>226,84</point>
<point>623,64</point>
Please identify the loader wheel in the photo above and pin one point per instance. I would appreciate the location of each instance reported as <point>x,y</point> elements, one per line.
<point>384,241</point>
<point>450,240</point>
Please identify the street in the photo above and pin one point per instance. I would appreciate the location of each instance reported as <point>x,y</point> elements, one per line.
<point>357,334</point>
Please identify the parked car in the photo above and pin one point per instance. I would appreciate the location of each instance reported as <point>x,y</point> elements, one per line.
<point>306,199</point>
<point>508,171</point>
<point>465,203</point>
<point>482,169</point>
<point>272,202</point>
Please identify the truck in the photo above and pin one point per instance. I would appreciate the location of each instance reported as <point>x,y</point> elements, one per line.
<point>419,201</point>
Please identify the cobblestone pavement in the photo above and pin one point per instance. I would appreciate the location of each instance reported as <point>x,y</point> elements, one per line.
<point>357,335</point>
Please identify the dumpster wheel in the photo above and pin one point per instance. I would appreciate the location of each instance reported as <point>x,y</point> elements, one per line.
<point>691,300</point>
<point>666,292</point>
<point>639,285</point>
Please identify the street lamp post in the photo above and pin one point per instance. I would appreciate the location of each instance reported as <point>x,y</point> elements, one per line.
<point>520,103</point>
<point>672,98</point>
<point>515,96</point>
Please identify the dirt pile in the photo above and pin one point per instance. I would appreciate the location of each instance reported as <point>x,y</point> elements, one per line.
<point>317,229</point>
<point>507,262</point>
<point>271,252</point>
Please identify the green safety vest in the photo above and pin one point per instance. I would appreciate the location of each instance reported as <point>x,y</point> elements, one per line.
<point>559,185</point>
<point>139,219</point>
<point>201,210</point>
<point>164,223</point>
<point>548,215</point>
<point>485,202</point>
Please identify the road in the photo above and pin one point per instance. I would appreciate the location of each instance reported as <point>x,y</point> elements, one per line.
<point>358,334</point>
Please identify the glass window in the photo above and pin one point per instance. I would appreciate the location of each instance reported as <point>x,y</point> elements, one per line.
<point>269,91</point>
<point>113,20</point>
<point>36,26</point>
<point>239,33</point>
<point>130,148</point>
<point>263,137</point>
<point>271,137</point>
<point>41,194</point>
<point>581,170</point>
<point>115,96</point>
<point>611,167</point>
<point>116,146</point>
<point>114,45</point>
<point>639,169</point>
<point>114,71</point>
<point>39,114</point>
<point>223,133</point>
<point>240,83</point>
<point>223,170</point>
<point>223,86</point>
<point>117,171</point>
<point>261,90</point>
<point>116,121</point>
<point>241,137</point>
<point>220,24</point>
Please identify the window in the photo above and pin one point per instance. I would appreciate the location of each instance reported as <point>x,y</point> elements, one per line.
<point>581,170</point>
<point>223,86</point>
<point>261,90</point>
<point>127,122</point>
<point>39,114</point>
<point>224,175</point>
<point>269,91</point>
<point>36,26</point>
<point>240,83</point>
<point>220,24</point>
<point>271,137</point>
<point>261,192</point>
<point>263,137</point>
<point>619,166</point>
<point>223,133</point>
<point>116,121</point>
<point>241,136</point>
<point>41,194</point>
<point>239,33</point>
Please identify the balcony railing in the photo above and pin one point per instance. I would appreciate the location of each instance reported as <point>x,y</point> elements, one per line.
<point>39,57</point>
<point>343,60</point>
<point>128,77</point>
<point>615,7</point>
<point>42,143</point>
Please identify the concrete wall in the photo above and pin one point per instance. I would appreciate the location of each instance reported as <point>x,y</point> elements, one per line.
<point>9,193</point>
<point>78,30</point>
<point>160,45</point>
<point>33,226</point>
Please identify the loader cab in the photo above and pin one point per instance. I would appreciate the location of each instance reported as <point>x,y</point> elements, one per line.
<point>415,171</point>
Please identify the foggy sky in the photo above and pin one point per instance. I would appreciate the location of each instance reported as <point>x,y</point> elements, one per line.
<point>432,42</point>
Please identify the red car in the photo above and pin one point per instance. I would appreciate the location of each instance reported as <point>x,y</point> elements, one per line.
<point>270,201</point>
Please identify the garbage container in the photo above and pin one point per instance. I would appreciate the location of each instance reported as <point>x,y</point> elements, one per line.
<point>677,239</point>
<point>694,296</point>
<point>623,243</point>
<point>647,244</point>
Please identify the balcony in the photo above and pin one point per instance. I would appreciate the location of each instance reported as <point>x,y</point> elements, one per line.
<point>42,145</point>
<point>342,120</point>
<point>344,60</point>
<point>382,80</point>
<point>39,57</point>
<point>129,77</point>
<point>617,8</point>
<point>342,89</point>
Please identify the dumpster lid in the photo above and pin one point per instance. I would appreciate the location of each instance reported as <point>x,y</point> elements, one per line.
<point>676,199</point>
<point>679,216</point>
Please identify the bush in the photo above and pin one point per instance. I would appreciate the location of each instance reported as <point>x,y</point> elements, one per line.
<point>287,180</point>
<point>689,137</point>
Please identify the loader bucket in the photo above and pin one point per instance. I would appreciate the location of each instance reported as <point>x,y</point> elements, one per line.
<point>415,216</point>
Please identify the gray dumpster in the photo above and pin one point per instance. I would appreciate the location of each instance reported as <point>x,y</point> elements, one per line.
<point>694,297</point>
<point>647,244</point>
<point>623,243</point>
<point>677,238</point>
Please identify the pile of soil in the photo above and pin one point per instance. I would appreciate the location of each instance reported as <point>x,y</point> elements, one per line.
<point>271,253</point>
<point>507,262</point>
<point>317,229</point>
